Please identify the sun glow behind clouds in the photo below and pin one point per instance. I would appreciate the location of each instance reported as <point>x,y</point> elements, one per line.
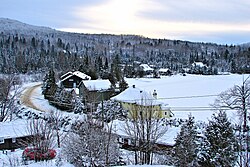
<point>125,17</point>
<point>114,16</point>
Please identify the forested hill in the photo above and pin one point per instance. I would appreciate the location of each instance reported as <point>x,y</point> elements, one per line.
<point>25,48</point>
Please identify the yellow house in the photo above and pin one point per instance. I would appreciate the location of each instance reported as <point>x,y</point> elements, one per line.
<point>141,104</point>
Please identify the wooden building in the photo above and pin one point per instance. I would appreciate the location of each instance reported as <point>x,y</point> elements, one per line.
<point>165,72</point>
<point>14,135</point>
<point>73,79</point>
<point>93,91</point>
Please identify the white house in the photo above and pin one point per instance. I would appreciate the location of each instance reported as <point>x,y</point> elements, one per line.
<point>198,64</point>
<point>146,68</point>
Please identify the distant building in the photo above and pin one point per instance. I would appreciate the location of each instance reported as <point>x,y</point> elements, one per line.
<point>141,104</point>
<point>146,69</point>
<point>165,71</point>
<point>198,64</point>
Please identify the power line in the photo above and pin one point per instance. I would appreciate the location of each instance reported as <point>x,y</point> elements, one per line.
<point>187,97</point>
<point>197,109</point>
<point>183,108</point>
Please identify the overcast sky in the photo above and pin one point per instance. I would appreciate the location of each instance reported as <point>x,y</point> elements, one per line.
<point>219,21</point>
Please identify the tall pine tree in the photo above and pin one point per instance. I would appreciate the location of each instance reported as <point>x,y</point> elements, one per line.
<point>49,85</point>
<point>220,146</point>
<point>186,147</point>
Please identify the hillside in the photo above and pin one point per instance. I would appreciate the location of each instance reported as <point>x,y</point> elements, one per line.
<point>15,27</point>
<point>26,48</point>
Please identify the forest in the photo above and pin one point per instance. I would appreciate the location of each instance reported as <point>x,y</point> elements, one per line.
<point>27,49</point>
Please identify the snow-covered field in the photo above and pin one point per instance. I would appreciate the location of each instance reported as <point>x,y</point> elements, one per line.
<point>184,94</point>
<point>189,94</point>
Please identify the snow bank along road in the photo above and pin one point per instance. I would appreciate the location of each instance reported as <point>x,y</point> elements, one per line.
<point>29,94</point>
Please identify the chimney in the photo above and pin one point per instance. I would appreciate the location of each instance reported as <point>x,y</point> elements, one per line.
<point>155,94</point>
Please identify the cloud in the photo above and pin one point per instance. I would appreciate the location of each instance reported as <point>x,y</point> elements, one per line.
<point>116,16</point>
<point>53,13</point>
<point>207,20</point>
<point>212,11</point>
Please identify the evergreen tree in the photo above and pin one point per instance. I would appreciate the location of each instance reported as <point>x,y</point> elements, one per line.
<point>106,64</point>
<point>93,74</point>
<point>186,147</point>
<point>115,69</point>
<point>220,147</point>
<point>123,84</point>
<point>49,85</point>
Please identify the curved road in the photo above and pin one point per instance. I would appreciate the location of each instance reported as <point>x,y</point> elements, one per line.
<point>26,96</point>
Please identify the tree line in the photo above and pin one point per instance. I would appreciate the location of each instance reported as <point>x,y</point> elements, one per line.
<point>102,55</point>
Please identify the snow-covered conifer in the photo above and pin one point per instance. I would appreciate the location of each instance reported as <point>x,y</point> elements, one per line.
<point>186,147</point>
<point>220,146</point>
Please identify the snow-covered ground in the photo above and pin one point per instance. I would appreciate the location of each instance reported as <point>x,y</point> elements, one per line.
<point>189,94</point>
<point>184,94</point>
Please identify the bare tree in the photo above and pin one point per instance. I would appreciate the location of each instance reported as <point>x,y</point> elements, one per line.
<point>145,129</point>
<point>238,98</point>
<point>55,118</point>
<point>8,93</point>
<point>42,135</point>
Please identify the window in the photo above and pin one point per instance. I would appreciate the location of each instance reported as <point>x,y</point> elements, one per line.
<point>121,140</point>
<point>137,143</point>
<point>129,141</point>
<point>13,140</point>
<point>71,80</point>
<point>1,140</point>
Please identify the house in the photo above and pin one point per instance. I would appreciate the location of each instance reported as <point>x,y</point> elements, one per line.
<point>73,79</point>
<point>95,90</point>
<point>199,68</point>
<point>127,141</point>
<point>14,135</point>
<point>140,103</point>
<point>198,64</point>
<point>165,71</point>
<point>146,69</point>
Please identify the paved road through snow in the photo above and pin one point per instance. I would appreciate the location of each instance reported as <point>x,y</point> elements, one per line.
<point>32,97</point>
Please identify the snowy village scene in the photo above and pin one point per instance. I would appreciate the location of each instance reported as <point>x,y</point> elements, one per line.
<point>137,83</point>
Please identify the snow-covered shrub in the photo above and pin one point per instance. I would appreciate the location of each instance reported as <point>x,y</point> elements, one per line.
<point>38,154</point>
<point>89,143</point>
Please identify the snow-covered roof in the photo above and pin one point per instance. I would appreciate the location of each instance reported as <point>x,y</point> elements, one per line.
<point>146,67</point>
<point>76,73</point>
<point>81,75</point>
<point>64,75</point>
<point>200,64</point>
<point>14,129</point>
<point>168,138</point>
<point>97,84</point>
<point>163,69</point>
<point>136,95</point>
